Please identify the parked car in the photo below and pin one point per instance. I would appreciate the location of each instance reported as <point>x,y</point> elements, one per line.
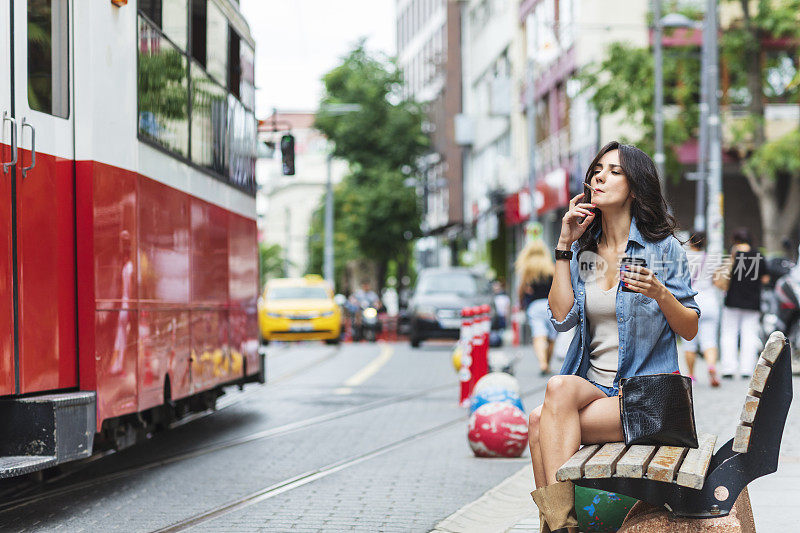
<point>294,309</point>
<point>434,310</point>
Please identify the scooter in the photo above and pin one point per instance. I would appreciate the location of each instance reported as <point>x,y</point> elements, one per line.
<point>783,313</point>
<point>367,325</point>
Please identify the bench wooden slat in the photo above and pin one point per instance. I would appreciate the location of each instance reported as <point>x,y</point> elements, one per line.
<point>602,463</point>
<point>773,347</point>
<point>665,463</point>
<point>693,469</point>
<point>741,441</point>
<point>573,468</point>
<point>760,375</point>
<point>749,409</point>
<point>634,463</point>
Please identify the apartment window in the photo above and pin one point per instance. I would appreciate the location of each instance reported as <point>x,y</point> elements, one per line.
<point>781,71</point>
<point>48,57</point>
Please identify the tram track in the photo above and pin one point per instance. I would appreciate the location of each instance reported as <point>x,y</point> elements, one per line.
<point>215,447</point>
<point>305,478</point>
<point>229,400</point>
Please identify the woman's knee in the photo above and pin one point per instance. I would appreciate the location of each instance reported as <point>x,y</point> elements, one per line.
<point>559,392</point>
<point>533,424</point>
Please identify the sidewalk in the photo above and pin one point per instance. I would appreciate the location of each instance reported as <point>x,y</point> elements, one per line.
<point>508,507</point>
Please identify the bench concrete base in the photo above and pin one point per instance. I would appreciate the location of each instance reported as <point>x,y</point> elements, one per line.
<point>646,518</point>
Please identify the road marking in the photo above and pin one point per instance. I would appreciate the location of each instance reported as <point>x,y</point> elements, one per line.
<point>368,371</point>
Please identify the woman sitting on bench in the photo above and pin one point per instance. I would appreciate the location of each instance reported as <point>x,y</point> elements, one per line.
<point>620,333</point>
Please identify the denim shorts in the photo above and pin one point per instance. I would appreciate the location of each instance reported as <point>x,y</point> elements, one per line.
<point>539,320</point>
<point>608,391</point>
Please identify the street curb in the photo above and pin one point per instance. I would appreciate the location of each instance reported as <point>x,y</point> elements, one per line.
<point>507,507</point>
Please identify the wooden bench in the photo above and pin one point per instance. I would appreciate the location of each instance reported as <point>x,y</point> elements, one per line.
<point>699,483</point>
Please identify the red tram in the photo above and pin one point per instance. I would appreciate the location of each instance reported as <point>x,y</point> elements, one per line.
<point>128,257</point>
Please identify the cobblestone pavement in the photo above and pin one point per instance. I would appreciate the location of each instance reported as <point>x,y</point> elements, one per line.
<point>412,487</point>
<point>409,488</point>
<point>773,497</point>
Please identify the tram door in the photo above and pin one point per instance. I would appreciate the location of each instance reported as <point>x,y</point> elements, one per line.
<point>7,144</point>
<point>42,210</point>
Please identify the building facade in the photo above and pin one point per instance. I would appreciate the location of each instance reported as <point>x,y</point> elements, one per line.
<point>429,54</point>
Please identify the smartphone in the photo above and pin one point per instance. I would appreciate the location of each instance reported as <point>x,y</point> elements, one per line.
<point>638,261</point>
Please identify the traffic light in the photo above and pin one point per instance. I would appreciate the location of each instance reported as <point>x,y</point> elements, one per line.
<point>287,154</point>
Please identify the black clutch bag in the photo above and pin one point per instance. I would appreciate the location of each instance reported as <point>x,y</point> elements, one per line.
<point>658,409</point>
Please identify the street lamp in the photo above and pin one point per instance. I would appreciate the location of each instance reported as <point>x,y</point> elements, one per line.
<point>333,109</point>
<point>709,163</point>
<point>678,20</point>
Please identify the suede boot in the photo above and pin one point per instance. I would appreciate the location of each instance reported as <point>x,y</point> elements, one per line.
<point>557,506</point>
<point>543,527</point>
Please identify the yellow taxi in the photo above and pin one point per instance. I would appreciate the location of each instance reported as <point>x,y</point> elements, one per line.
<point>295,309</point>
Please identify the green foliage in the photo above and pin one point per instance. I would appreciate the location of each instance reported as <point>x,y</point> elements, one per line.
<point>781,156</point>
<point>162,84</point>
<point>609,84</point>
<point>271,263</point>
<point>376,216</point>
<point>386,131</point>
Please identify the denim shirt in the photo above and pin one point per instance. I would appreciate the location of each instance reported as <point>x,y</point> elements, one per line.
<point>647,344</point>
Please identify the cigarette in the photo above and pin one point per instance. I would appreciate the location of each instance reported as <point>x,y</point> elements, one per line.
<point>588,186</point>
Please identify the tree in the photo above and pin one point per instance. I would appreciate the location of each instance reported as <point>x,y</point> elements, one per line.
<point>271,261</point>
<point>752,75</point>
<point>756,75</point>
<point>376,215</point>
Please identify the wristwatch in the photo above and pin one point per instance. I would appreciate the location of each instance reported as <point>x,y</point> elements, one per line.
<point>563,254</point>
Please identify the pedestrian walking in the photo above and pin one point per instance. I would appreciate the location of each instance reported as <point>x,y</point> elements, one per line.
<point>535,271</point>
<point>502,304</point>
<point>743,274</point>
<point>702,267</point>
<point>634,330</point>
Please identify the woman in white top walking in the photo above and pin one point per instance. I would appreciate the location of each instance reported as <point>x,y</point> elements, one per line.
<point>703,267</point>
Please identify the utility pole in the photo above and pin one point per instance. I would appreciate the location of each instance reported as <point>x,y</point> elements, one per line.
<point>716,230</point>
<point>659,95</point>
<point>702,144</point>
<point>328,257</point>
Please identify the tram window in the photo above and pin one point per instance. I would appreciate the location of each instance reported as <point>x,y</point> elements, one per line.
<point>209,121</point>
<point>199,31</point>
<point>234,65</point>
<point>48,57</point>
<point>169,15</point>
<point>242,139</point>
<point>217,43</point>
<point>162,91</point>
<point>247,90</point>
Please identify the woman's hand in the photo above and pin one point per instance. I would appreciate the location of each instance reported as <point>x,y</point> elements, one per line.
<point>642,280</point>
<point>571,226</point>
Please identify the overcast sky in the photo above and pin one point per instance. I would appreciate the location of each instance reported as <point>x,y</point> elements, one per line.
<point>297,41</point>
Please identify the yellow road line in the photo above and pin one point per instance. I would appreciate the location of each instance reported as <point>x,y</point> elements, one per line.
<point>368,371</point>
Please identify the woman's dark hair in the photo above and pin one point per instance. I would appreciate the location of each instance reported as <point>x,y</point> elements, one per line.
<point>648,206</point>
<point>698,240</point>
<point>741,235</point>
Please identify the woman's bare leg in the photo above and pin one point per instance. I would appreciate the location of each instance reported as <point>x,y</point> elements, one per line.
<point>711,357</point>
<point>540,348</point>
<point>551,344</point>
<point>533,444</point>
<point>560,426</point>
<point>691,357</point>
<point>600,422</point>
